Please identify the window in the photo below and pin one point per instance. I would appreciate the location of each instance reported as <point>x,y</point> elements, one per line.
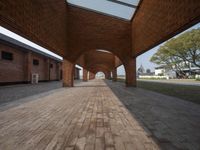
<point>35,62</point>
<point>51,65</point>
<point>6,55</point>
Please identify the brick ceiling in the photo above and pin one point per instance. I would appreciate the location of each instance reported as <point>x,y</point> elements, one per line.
<point>70,31</point>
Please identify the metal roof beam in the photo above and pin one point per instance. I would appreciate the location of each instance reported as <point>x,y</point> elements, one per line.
<point>123,3</point>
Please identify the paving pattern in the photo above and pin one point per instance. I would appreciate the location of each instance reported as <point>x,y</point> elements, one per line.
<point>100,115</point>
<point>86,117</point>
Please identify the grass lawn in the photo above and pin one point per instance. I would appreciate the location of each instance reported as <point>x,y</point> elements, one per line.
<point>185,92</point>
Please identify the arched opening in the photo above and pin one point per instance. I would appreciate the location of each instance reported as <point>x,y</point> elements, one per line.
<point>100,75</point>
<point>99,60</point>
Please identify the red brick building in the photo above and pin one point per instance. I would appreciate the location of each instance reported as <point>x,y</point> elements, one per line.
<point>18,64</point>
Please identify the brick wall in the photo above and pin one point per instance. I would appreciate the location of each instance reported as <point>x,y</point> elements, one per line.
<point>54,70</point>
<point>21,67</point>
<point>12,71</point>
<point>39,69</point>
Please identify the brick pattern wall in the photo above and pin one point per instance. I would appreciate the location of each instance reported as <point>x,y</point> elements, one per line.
<point>68,73</point>
<point>159,20</point>
<point>94,58</point>
<point>41,21</point>
<point>21,67</point>
<point>54,71</point>
<point>90,31</point>
<point>39,69</point>
<point>12,71</point>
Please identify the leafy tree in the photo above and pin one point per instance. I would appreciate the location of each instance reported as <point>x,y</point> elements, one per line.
<point>179,52</point>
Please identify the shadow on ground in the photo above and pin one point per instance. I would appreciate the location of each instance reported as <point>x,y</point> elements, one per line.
<point>172,122</point>
<point>15,92</point>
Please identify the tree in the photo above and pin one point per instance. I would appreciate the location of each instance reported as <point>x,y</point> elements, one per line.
<point>180,52</point>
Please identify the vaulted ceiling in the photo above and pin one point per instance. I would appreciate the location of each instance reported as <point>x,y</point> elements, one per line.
<point>72,31</point>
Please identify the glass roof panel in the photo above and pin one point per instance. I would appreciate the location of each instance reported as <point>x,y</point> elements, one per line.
<point>108,7</point>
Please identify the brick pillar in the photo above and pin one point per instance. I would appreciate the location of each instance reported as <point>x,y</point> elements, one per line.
<point>68,73</point>
<point>28,67</point>
<point>109,75</point>
<point>91,75</point>
<point>114,74</point>
<point>85,75</point>
<point>130,68</point>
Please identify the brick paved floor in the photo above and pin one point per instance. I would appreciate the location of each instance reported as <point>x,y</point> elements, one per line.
<point>86,117</point>
<point>91,117</point>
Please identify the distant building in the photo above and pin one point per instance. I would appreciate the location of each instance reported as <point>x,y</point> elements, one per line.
<point>188,69</point>
<point>148,71</point>
<point>191,69</point>
<point>159,71</point>
<point>162,71</point>
<point>140,70</point>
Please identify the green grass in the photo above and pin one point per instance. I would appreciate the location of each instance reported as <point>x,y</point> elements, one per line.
<point>185,92</point>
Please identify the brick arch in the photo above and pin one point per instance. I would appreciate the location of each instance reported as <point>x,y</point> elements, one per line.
<point>106,74</point>
<point>101,61</point>
<point>96,68</point>
<point>90,51</point>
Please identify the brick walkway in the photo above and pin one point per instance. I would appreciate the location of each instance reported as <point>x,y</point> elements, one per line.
<point>86,117</point>
<point>91,116</point>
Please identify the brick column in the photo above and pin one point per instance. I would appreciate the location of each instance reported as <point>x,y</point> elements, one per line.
<point>68,73</point>
<point>130,68</point>
<point>114,74</point>
<point>109,75</point>
<point>91,75</point>
<point>85,75</point>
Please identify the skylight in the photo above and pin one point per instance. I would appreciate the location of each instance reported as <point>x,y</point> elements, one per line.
<point>123,9</point>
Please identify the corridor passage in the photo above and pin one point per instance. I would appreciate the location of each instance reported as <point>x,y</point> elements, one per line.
<point>100,115</point>
<point>86,117</point>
